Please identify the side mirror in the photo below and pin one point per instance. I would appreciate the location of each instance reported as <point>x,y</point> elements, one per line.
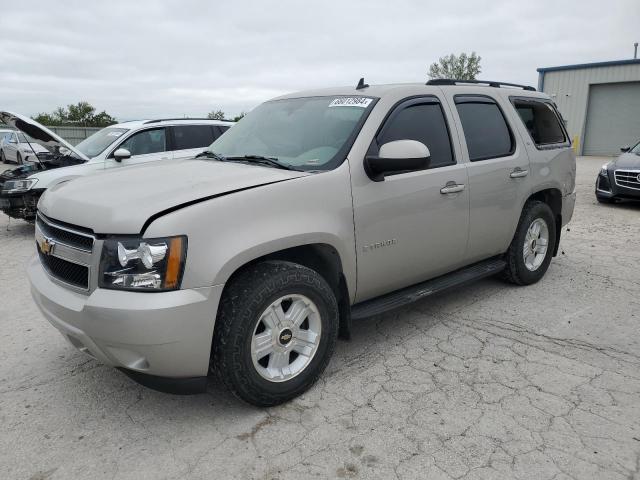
<point>121,154</point>
<point>624,149</point>
<point>395,157</point>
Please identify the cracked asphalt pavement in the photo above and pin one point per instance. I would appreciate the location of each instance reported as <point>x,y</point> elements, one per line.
<point>491,381</point>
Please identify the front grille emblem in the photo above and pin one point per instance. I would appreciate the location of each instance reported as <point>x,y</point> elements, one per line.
<point>47,245</point>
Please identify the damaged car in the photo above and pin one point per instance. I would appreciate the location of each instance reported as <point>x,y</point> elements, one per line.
<point>124,144</point>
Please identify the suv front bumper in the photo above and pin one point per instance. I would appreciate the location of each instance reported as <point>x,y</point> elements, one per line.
<point>164,334</point>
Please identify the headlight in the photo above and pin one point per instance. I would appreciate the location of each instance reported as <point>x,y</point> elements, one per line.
<point>143,264</point>
<point>603,169</point>
<point>18,186</point>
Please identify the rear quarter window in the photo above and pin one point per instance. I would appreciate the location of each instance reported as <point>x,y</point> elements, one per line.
<point>541,121</point>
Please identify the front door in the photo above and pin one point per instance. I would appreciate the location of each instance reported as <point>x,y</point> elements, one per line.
<point>412,226</point>
<point>145,146</point>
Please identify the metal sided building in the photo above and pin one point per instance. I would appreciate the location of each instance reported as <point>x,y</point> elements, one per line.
<point>600,103</point>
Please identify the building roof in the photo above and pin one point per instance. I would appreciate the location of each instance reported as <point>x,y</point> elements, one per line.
<point>612,63</point>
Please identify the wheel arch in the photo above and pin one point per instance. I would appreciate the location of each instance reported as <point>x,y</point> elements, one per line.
<point>323,258</point>
<point>553,198</point>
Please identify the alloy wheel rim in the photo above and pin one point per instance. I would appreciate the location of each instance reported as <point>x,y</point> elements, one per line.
<point>286,338</point>
<point>536,243</point>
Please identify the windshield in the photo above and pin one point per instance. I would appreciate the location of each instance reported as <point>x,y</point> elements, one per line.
<point>636,149</point>
<point>307,133</point>
<point>99,141</point>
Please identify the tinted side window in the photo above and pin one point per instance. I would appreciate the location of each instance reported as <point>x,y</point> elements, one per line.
<point>425,123</point>
<point>541,121</point>
<point>220,129</point>
<point>485,128</point>
<point>147,141</point>
<point>193,136</point>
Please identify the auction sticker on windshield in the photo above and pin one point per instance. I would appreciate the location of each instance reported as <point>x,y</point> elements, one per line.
<point>362,102</point>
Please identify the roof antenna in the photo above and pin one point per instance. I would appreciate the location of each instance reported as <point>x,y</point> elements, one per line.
<point>361,84</point>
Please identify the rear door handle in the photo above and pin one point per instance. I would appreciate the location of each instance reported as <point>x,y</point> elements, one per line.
<point>452,188</point>
<point>519,173</point>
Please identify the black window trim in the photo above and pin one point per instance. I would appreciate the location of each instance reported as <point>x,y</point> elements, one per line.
<point>481,98</point>
<point>543,146</point>
<point>401,105</point>
<point>132,132</point>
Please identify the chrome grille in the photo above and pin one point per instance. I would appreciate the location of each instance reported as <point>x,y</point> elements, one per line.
<point>64,235</point>
<point>68,272</point>
<point>628,178</point>
<point>65,252</point>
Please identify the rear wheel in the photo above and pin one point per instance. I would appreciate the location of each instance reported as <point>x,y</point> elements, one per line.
<point>18,158</point>
<point>275,333</point>
<point>532,247</point>
<point>3,159</point>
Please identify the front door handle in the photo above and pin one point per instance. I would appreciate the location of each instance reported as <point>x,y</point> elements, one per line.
<point>519,173</point>
<point>452,187</point>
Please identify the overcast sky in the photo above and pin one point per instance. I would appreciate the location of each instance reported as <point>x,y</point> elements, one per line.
<point>147,58</point>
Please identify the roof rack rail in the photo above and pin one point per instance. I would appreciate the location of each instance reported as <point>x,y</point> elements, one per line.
<point>453,81</point>
<point>158,120</point>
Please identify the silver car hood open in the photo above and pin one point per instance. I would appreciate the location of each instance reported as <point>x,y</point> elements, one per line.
<point>125,200</point>
<point>41,133</point>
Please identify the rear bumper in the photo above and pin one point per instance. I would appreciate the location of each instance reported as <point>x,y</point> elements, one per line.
<point>164,334</point>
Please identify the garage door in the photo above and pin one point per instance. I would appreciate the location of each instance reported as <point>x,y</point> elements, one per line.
<point>613,118</point>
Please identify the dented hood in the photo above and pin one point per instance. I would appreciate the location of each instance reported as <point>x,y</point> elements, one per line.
<point>39,132</point>
<point>120,201</point>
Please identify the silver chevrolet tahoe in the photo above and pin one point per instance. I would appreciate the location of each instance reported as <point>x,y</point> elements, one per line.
<point>318,208</point>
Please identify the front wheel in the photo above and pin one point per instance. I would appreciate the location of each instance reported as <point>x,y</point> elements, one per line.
<point>275,333</point>
<point>18,158</point>
<point>533,244</point>
<point>3,159</point>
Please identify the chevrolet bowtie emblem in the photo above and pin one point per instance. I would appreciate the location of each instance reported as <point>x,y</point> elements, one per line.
<point>47,245</point>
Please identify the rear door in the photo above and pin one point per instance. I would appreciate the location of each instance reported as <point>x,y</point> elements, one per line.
<point>147,145</point>
<point>412,226</point>
<point>190,140</point>
<point>498,172</point>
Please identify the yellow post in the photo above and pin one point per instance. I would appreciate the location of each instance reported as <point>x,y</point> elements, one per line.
<point>575,144</point>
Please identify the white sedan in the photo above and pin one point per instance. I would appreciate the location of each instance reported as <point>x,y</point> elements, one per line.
<point>16,147</point>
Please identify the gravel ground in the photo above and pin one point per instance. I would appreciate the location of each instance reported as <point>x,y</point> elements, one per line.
<point>495,381</point>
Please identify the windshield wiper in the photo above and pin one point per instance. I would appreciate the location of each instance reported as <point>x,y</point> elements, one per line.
<point>210,154</point>
<point>271,161</point>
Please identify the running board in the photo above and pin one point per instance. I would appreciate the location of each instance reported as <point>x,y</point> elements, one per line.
<point>417,292</point>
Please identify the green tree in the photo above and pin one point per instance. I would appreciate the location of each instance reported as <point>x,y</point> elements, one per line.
<point>239,117</point>
<point>81,114</point>
<point>460,67</point>
<point>216,115</point>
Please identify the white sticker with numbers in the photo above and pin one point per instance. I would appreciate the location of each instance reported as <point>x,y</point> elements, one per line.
<point>362,102</point>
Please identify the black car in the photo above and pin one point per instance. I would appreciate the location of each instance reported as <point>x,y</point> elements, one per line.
<point>620,179</point>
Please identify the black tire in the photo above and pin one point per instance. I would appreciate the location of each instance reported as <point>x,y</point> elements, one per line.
<point>246,297</point>
<point>2,157</point>
<point>19,158</point>
<point>516,271</point>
